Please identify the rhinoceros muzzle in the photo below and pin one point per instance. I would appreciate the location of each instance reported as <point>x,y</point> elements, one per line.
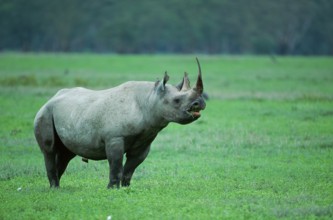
<point>195,108</point>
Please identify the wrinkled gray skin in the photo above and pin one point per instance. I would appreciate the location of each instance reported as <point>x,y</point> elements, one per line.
<point>109,124</point>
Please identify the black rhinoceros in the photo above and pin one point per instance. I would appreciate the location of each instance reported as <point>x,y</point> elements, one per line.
<point>111,123</point>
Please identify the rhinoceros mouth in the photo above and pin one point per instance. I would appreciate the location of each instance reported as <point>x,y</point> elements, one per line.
<point>194,109</point>
<point>194,112</point>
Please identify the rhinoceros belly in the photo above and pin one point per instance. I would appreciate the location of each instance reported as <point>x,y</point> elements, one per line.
<point>82,141</point>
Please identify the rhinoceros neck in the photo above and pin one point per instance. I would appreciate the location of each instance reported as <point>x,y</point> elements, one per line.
<point>146,99</point>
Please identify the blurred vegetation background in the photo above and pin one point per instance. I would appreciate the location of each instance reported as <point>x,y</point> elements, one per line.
<point>303,27</point>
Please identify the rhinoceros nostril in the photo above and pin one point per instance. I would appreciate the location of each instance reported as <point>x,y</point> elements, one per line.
<point>194,107</point>
<point>195,104</point>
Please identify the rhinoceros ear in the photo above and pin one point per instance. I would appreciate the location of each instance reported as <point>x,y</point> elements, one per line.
<point>184,85</point>
<point>160,85</point>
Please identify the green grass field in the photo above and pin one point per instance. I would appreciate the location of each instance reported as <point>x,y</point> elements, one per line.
<point>263,148</point>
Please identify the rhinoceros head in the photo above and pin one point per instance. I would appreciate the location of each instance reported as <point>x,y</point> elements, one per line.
<point>181,104</point>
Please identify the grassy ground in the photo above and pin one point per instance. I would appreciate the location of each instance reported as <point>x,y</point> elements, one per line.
<point>263,148</point>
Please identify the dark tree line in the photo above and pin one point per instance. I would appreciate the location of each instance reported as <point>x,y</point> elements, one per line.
<point>173,26</point>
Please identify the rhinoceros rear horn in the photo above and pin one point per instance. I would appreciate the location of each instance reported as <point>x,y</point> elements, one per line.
<point>199,86</point>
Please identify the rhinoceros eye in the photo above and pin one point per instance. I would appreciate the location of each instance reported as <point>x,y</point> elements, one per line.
<point>176,100</point>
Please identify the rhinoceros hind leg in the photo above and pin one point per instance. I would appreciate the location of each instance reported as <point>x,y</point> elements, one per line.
<point>63,158</point>
<point>51,169</point>
<point>56,160</point>
<point>45,136</point>
<point>56,155</point>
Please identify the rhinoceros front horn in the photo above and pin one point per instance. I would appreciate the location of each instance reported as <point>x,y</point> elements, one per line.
<point>199,86</point>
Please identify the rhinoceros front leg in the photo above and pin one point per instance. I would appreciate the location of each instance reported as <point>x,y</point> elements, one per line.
<point>114,153</point>
<point>134,159</point>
